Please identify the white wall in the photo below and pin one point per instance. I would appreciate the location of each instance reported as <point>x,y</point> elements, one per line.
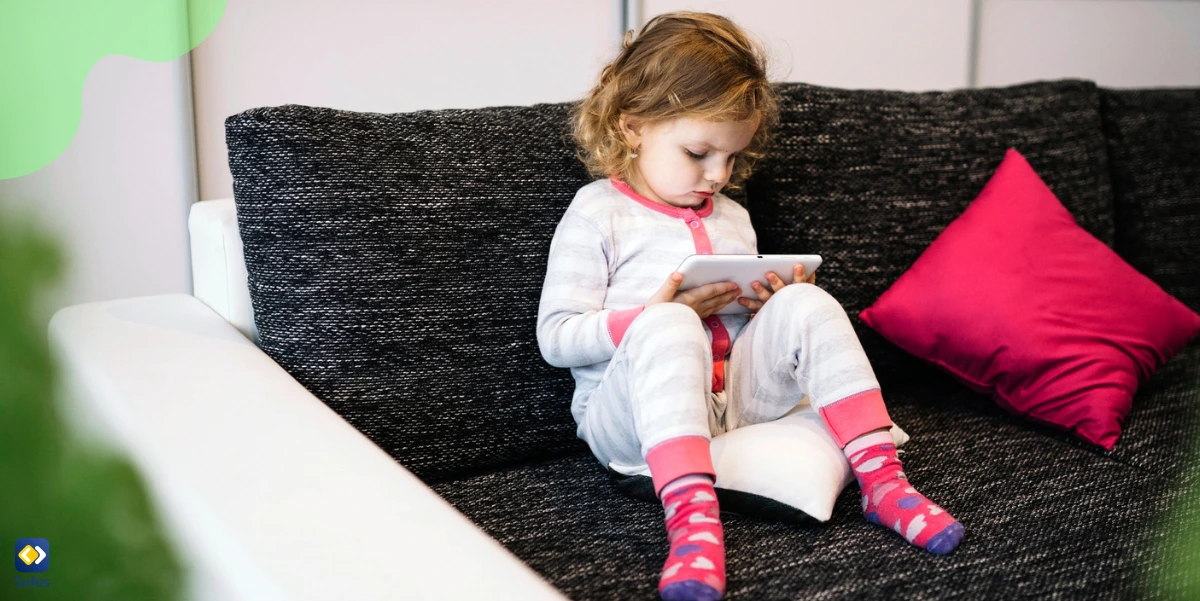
<point>1116,43</point>
<point>117,197</point>
<point>465,53</point>
<point>372,55</point>
<point>911,45</point>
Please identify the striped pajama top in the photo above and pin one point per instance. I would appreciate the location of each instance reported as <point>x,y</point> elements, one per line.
<point>614,248</point>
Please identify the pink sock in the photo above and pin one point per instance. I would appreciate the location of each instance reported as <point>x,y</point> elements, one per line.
<point>890,500</point>
<point>683,477</point>
<point>695,566</point>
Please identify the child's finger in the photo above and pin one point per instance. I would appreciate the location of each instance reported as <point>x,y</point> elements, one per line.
<point>798,273</point>
<point>709,291</point>
<point>666,292</point>
<point>718,290</point>
<point>727,298</point>
<point>750,303</point>
<point>762,292</point>
<point>716,303</point>
<point>775,282</point>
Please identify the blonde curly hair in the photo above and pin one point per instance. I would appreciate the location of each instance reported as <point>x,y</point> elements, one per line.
<point>682,64</point>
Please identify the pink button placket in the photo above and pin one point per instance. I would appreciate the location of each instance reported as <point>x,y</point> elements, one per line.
<point>720,335</point>
<point>720,346</point>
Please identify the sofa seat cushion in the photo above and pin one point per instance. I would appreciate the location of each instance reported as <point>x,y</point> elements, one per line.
<point>868,178</point>
<point>1046,514</point>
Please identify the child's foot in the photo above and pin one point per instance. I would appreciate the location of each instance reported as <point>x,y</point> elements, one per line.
<point>695,567</point>
<point>890,500</point>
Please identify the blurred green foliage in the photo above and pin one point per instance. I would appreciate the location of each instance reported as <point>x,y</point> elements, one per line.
<point>91,505</point>
<point>1179,575</point>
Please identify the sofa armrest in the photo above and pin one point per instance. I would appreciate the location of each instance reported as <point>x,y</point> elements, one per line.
<point>265,492</point>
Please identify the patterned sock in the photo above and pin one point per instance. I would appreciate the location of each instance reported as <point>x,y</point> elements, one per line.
<point>695,567</point>
<point>890,500</point>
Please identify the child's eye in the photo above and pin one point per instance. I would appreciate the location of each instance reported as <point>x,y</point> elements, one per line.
<point>701,156</point>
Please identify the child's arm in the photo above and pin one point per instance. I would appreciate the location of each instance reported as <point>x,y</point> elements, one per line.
<point>572,324</point>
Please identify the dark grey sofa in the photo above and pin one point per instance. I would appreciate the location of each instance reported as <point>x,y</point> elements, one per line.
<point>395,263</point>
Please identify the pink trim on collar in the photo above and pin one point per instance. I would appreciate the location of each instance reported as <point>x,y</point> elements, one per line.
<point>720,335</point>
<point>705,210</point>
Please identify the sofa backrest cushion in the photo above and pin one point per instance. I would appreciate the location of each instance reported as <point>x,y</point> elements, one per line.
<point>868,179</point>
<point>1154,152</point>
<point>395,263</point>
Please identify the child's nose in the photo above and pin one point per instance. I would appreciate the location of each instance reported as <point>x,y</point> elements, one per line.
<point>718,176</point>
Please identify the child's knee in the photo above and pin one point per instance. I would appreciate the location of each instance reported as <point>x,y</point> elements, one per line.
<point>671,328</point>
<point>808,306</point>
<point>663,316</point>
<point>806,295</point>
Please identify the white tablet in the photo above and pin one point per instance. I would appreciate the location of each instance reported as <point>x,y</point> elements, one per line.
<point>699,270</point>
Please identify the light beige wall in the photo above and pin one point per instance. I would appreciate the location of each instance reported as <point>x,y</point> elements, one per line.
<point>375,55</point>
<point>372,55</point>
<point>1116,43</point>
<point>117,198</point>
<point>909,45</point>
<point>927,44</point>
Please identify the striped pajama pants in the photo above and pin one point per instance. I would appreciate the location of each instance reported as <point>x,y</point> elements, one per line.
<point>658,385</point>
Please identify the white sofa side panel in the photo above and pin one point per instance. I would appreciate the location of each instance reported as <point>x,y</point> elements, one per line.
<point>267,493</point>
<point>219,265</point>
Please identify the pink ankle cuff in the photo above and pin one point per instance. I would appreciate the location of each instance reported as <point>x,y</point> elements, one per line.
<point>676,457</point>
<point>856,415</point>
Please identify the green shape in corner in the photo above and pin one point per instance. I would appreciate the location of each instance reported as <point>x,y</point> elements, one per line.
<point>47,48</point>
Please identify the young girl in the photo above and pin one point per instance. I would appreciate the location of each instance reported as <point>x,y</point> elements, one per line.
<point>683,111</point>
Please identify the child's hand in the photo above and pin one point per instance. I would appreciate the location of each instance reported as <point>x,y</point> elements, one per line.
<point>776,284</point>
<point>704,300</point>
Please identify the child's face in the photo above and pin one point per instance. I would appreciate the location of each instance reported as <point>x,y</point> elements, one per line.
<point>681,159</point>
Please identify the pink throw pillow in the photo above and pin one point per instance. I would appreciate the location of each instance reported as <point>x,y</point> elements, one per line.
<point>1017,300</point>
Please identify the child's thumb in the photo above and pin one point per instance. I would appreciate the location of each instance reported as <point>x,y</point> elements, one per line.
<point>666,292</point>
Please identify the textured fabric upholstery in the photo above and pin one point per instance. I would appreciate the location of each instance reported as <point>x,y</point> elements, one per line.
<point>1046,517</point>
<point>369,237</point>
<point>1154,151</point>
<point>395,263</point>
<point>868,179</point>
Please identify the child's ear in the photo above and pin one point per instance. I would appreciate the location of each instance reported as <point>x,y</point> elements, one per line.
<point>631,129</point>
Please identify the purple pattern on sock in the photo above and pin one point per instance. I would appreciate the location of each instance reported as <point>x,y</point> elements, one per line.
<point>889,500</point>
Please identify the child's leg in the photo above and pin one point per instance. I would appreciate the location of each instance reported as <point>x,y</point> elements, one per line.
<point>653,405</point>
<point>656,388</point>
<point>804,344</point>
